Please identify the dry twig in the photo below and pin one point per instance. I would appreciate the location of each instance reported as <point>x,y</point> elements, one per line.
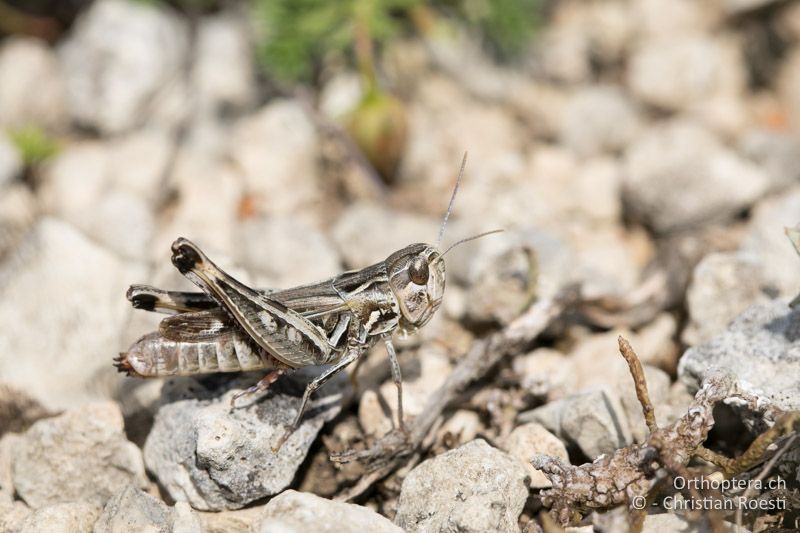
<point>630,475</point>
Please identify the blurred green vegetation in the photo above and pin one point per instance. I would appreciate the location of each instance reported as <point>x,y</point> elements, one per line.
<point>34,144</point>
<point>298,34</point>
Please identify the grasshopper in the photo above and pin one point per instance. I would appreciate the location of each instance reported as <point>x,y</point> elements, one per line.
<point>230,327</point>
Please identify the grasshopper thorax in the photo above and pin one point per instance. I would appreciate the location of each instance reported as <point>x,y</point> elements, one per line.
<point>416,277</point>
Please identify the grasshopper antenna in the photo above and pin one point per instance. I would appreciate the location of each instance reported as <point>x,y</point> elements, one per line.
<point>452,199</point>
<point>478,236</point>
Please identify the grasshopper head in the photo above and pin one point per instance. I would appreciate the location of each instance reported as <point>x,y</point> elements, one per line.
<point>416,277</point>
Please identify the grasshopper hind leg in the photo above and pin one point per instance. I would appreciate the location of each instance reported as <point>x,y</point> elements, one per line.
<point>262,385</point>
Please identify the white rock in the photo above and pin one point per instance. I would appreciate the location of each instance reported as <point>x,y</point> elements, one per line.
<point>598,119</point>
<point>531,439</point>
<point>12,515</point>
<point>564,53</point>
<point>68,517</point>
<point>285,252</point>
<point>222,73</point>
<point>80,455</point>
<point>722,286</point>
<point>62,306</point>
<point>137,163</point>
<point>658,19</point>
<point>276,149</point>
<point>122,62</point>
<point>79,187</point>
<point>679,175</point>
<point>388,232</point>
<point>676,74</point>
<point>545,373</point>
<point>10,160</point>
<point>340,95</point>
<point>31,85</point>
<point>473,488</point>
<point>464,425</point>
<point>298,512</point>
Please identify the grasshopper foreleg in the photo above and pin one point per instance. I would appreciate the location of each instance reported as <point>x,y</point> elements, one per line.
<point>353,353</point>
<point>397,377</point>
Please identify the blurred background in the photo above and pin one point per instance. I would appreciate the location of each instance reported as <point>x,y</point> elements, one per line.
<point>648,150</point>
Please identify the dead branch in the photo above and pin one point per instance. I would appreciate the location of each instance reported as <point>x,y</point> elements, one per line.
<point>632,473</point>
<point>388,453</point>
<point>639,382</point>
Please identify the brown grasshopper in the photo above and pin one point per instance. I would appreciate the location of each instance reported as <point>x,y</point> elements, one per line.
<point>230,327</point>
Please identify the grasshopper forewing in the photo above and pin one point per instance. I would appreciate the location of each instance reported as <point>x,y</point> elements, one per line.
<point>231,327</point>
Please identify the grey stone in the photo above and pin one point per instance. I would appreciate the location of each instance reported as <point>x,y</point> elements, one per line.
<point>594,421</point>
<point>598,119</point>
<point>223,75</point>
<point>67,517</point>
<point>284,252</point>
<point>10,161</point>
<point>122,65</point>
<point>472,488</point>
<point>760,348</point>
<point>764,239</point>
<point>531,439</point>
<point>722,286</point>
<point>504,287</point>
<point>777,152</point>
<point>676,74</point>
<point>80,455</point>
<point>388,231</point>
<point>132,510</point>
<point>679,175</point>
<point>31,85</point>
<point>298,512</point>
<point>62,308</point>
<point>216,458</point>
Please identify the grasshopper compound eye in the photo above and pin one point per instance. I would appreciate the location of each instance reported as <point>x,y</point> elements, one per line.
<point>418,270</point>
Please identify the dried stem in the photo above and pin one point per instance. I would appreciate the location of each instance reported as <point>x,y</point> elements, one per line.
<point>639,382</point>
